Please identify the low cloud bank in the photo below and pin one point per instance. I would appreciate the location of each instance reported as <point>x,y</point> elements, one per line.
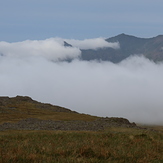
<point>93,44</point>
<point>52,49</point>
<point>131,89</point>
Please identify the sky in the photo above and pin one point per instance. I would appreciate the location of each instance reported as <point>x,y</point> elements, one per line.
<point>75,19</point>
<point>32,54</point>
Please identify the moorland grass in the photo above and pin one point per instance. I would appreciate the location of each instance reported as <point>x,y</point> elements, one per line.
<point>18,110</point>
<point>114,145</point>
<point>123,145</point>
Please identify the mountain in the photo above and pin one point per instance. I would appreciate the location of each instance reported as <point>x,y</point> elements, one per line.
<point>66,44</point>
<point>24,113</point>
<point>151,48</point>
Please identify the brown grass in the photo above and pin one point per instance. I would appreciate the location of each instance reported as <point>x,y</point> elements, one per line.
<point>23,110</point>
<point>114,145</point>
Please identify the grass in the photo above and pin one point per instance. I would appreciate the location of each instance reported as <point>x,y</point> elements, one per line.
<point>113,145</point>
<point>49,115</point>
<point>18,110</point>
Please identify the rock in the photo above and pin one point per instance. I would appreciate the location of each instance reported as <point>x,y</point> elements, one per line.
<point>37,124</point>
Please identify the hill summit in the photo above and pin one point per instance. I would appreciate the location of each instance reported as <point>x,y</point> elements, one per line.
<point>24,113</point>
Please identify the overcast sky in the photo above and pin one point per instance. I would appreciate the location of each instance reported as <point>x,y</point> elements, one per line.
<point>76,19</point>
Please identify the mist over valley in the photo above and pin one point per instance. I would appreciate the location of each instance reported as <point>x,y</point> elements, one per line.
<point>102,77</point>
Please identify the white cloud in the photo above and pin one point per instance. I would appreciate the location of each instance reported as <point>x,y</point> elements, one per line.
<point>51,49</point>
<point>131,89</point>
<point>93,43</point>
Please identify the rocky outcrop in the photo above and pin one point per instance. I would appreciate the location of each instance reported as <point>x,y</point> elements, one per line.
<point>37,124</point>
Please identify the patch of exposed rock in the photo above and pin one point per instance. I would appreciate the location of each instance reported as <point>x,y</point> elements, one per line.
<point>37,124</point>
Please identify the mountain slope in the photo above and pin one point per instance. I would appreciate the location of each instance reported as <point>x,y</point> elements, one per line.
<point>22,107</point>
<point>23,113</point>
<point>151,48</point>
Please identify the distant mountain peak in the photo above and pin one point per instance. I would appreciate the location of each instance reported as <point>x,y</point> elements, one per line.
<point>129,45</point>
<point>66,44</point>
<point>123,36</point>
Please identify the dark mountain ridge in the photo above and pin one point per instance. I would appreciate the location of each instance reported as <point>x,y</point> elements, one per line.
<point>151,48</point>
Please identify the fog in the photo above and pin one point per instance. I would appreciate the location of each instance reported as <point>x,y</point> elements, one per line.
<point>131,89</point>
<point>93,43</point>
<point>52,49</point>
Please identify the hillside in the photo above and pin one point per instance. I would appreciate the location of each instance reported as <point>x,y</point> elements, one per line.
<point>31,131</point>
<point>151,48</point>
<point>24,113</point>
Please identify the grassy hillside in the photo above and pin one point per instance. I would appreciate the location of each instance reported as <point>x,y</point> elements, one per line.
<point>119,142</point>
<point>23,113</point>
<point>18,108</point>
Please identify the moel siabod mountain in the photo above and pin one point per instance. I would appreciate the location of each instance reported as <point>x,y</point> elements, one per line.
<point>151,48</point>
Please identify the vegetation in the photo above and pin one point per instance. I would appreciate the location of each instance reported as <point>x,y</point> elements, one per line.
<point>123,144</point>
<point>18,108</point>
<point>114,145</point>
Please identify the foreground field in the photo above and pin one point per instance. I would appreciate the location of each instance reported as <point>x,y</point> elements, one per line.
<point>34,132</point>
<point>117,145</point>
